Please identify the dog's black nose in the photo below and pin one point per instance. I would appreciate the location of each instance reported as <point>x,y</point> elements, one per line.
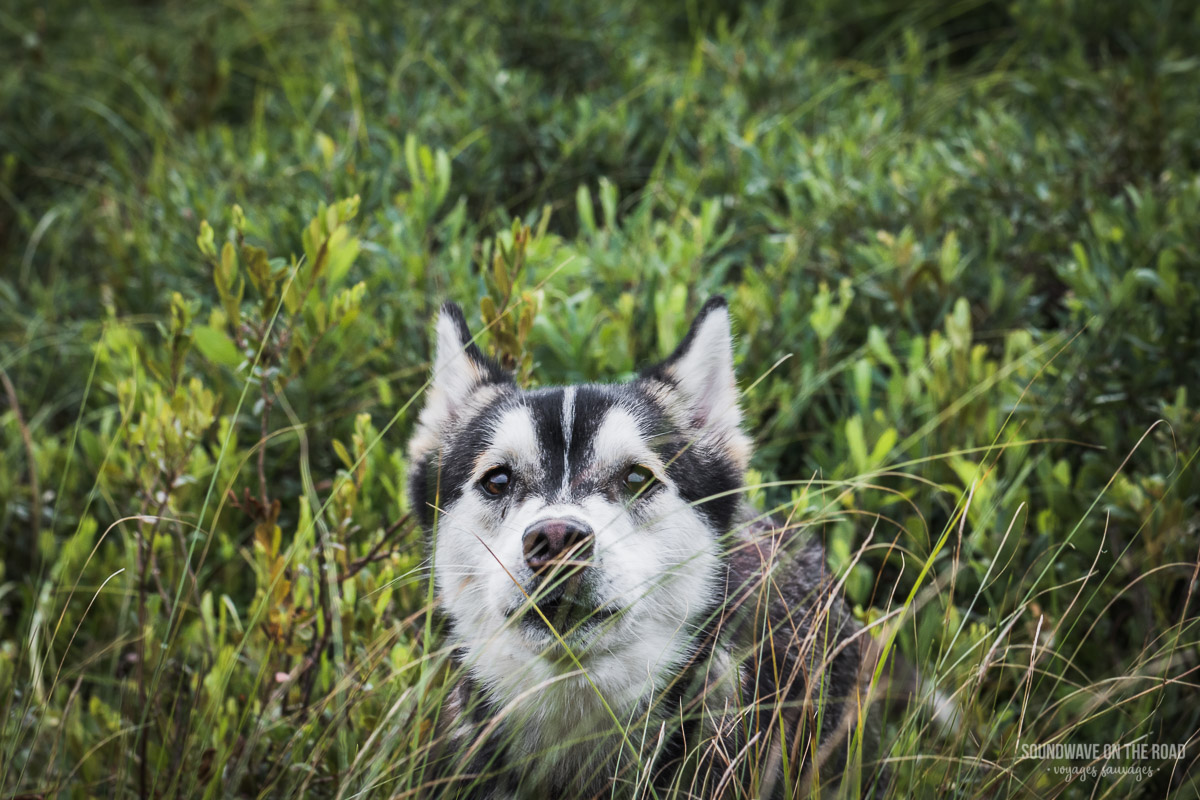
<point>552,543</point>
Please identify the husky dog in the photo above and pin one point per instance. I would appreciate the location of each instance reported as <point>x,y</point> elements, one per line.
<point>625,624</point>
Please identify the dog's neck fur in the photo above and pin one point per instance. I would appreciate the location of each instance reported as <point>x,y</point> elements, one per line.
<point>765,647</point>
<point>559,734</point>
<point>571,736</point>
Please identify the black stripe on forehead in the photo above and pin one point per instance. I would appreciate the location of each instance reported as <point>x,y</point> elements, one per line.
<point>442,477</point>
<point>546,407</point>
<point>592,404</point>
<point>566,443</point>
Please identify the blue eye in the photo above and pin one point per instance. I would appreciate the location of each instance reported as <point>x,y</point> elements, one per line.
<point>497,481</point>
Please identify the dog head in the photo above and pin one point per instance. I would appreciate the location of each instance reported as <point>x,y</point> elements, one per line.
<point>588,517</point>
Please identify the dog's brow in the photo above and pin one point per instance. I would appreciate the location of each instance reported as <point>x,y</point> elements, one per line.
<point>514,438</point>
<point>619,439</point>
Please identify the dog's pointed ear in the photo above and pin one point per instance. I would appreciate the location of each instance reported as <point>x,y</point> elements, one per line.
<point>700,373</point>
<point>460,369</point>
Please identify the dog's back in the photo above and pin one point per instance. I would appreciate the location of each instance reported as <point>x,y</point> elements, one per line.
<point>801,654</point>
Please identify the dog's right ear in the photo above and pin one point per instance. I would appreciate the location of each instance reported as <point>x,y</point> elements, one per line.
<point>460,369</point>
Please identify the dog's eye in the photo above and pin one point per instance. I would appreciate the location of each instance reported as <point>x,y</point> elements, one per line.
<point>638,479</point>
<point>497,481</point>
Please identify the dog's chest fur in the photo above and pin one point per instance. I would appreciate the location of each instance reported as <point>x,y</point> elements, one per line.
<point>766,658</point>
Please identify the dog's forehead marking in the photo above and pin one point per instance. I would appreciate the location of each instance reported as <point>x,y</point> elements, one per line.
<point>568,423</point>
<point>561,440</point>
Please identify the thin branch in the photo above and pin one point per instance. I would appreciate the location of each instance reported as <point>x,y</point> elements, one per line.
<point>375,553</point>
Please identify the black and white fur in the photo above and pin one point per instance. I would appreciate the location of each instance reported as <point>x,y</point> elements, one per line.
<point>711,635</point>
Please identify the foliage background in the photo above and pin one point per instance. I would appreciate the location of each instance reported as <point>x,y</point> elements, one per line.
<point>224,230</point>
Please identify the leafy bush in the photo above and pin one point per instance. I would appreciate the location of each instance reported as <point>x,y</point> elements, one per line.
<point>960,245</point>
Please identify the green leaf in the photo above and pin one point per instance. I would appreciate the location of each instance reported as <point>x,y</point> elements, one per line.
<point>500,271</point>
<point>487,308</point>
<point>958,325</point>
<point>342,250</point>
<point>587,215</point>
<point>206,240</point>
<point>259,270</point>
<point>228,266</point>
<point>862,383</point>
<point>410,159</point>
<point>293,295</point>
<point>883,447</point>
<point>857,443</point>
<point>878,347</point>
<point>343,454</point>
<point>216,346</point>
<point>950,257</point>
<point>1080,257</point>
<point>443,178</point>
<point>328,149</point>
<point>608,203</point>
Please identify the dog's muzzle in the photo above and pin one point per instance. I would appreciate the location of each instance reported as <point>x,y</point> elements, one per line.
<point>560,553</point>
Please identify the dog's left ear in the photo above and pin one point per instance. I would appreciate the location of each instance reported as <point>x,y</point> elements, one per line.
<point>459,366</point>
<point>460,369</point>
<point>700,372</point>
